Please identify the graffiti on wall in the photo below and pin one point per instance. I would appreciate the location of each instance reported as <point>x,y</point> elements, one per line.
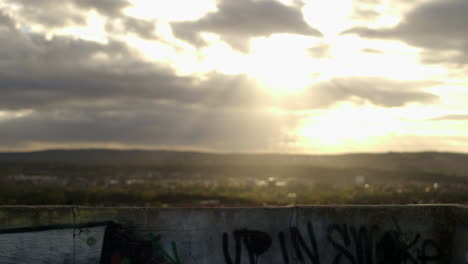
<point>157,248</point>
<point>353,245</point>
<point>123,246</point>
<point>256,243</point>
<point>337,244</point>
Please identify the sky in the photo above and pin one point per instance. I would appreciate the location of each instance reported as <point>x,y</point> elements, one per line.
<point>289,76</point>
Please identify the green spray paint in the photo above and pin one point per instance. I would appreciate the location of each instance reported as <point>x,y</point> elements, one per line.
<point>156,247</point>
<point>126,261</point>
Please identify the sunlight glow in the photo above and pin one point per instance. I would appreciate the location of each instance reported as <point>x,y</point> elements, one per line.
<point>220,57</point>
<point>174,10</point>
<point>346,124</point>
<point>93,31</point>
<point>349,127</point>
<point>152,50</point>
<point>396,59</point>
<point>330,16</point>
<point>282,62</point>
<point>280,70</point>
<point>8,115</point>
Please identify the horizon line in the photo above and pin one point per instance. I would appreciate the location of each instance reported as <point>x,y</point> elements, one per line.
<point>214,152</point>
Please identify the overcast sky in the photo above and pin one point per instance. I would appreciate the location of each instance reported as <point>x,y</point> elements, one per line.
<point>311,76</point>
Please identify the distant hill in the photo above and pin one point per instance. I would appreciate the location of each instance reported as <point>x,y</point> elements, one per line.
<point>435,162</point>
<point>97,156</point>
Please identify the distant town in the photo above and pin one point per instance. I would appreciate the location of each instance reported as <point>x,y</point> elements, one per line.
<point>200,179</point>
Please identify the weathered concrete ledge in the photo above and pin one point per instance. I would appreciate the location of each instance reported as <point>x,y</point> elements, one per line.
<point>314,234</point>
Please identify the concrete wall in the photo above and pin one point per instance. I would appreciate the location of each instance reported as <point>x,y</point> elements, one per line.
<point>318,234</point>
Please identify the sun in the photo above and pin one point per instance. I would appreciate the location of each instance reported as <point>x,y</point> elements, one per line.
<point>281,62</point>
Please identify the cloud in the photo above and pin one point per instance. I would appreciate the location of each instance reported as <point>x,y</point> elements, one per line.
<point>320,51</point>
<point>366,10</point>
<point>50,13</point>
<point>452,117</point>
<point>61,14</point>
<point>384,92</point>
<point>236,21</point>
<point>434,25</point>
<point>73,75</point>
<point>365,14</point>
<point>6,22</point>
<point>84,92</point>
<point>58,12</point>
<point>373,51</point>
<point>145,29</point>
<point>162,125</point>
<point>37,73</point>
<point>106,7</point>
<point>378,91</point>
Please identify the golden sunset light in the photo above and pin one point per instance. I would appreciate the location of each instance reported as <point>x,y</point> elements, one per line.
<point>233,131</point>
<point>346,75</point>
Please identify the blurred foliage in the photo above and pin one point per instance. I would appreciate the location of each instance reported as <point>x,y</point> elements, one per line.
<point>239,183</point>
<point>192,195</point>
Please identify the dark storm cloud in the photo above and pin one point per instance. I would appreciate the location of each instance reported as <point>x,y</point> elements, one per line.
<point>49,13</point>
<point>106,7</point>
<point>40,73</point>
<point>77,99</point>
<point>436,25</point>
<point>236,21</point>
<point>378,91</point>
<point>65,81</point>
<point>62,13</point>
<point>143,28</point>
<point>6,22</point>
<point>57,13</point>
<point>162,125</point>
